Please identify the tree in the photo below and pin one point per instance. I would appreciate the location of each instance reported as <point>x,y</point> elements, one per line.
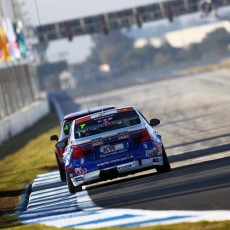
<point>110,49</point>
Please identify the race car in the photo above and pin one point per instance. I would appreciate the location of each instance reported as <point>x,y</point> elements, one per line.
<point>112,143</point>
<point>62,139</point>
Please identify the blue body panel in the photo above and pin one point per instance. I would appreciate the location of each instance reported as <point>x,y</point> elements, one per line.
<point>113,152</point>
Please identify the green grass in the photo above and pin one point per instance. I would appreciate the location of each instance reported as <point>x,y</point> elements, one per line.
<point>23,157</point>
<point>31,153</point>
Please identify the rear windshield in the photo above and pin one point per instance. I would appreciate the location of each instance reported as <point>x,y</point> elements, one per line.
<point>106,123</point>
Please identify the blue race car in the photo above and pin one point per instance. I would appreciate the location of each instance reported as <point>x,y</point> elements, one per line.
<point>111,143</point>
<point>63,138</point>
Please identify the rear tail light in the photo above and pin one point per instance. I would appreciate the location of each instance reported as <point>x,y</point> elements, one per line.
<point>143,136</point>
<point>79,152</point>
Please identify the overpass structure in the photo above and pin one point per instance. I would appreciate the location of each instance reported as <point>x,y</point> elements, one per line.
<point>125,18</point>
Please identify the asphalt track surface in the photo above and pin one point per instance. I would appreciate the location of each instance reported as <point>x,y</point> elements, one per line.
<point>197,186</point>
<point>202,186</point>
<point>195,113</point>
<point>139,200</point>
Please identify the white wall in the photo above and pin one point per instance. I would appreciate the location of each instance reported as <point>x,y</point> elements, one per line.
<point>19,121</point>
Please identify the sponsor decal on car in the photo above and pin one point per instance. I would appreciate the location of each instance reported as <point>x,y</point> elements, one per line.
<point>122,167</point>
<point>66,127</point>
<point>123,135</point>
<point>82,126</point>
<point>111,148</point>
<point>77,179</point>
<point>150,153</point>
<point>97,141</point>
<point>80,171</point>
<point>80,120</point>
<point>122,110</point>
<point>115,161</point>
<point>70,168</point>
<point>82,160</point>
<point>113,153</point>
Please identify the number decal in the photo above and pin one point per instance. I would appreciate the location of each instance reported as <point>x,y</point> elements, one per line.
<point>82,126</point>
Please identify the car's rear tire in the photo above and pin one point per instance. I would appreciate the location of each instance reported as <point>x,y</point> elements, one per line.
<point>61,170</point>
<point>166,165</point>
<point>78,188</point>
<point>72,189</point>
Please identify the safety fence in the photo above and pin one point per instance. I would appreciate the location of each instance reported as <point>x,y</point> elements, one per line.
<point>19,86</point>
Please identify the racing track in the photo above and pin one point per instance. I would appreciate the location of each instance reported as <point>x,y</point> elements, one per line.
<point>203,186</point>
<point>194,112</point>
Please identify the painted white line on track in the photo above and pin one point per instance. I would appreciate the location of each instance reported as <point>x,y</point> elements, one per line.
<point>199,149</point>
<point>51,204</point>
<point>213,157</point>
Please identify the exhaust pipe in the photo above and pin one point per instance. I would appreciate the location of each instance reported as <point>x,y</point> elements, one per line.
<point>108,174</point>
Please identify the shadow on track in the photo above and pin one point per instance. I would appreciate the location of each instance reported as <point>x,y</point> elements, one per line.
<point>202,186</point>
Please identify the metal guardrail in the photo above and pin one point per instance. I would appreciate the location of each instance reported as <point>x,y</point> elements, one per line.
<point>19,87</point>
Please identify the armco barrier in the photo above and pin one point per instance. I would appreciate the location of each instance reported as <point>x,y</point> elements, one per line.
<point>22,119</point>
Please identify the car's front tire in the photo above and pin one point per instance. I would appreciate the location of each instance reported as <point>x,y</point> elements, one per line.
<point>61,170</point>
<point>166,165</point>
<point>72,189</point>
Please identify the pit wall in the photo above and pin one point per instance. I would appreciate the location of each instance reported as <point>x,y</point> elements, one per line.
<point>22,119</point>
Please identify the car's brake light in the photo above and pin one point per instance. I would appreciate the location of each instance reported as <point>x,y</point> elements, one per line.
<point>143,136</point>
<point>79,152</point>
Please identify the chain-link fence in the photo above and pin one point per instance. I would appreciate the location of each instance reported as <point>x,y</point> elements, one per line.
<point>19,87</point>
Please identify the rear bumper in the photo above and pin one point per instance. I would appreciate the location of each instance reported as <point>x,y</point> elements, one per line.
<point>130,167</point>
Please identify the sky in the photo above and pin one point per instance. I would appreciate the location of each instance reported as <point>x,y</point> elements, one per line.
<point>57,10</point>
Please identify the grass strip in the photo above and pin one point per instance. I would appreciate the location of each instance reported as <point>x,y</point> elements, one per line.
<point>23,157</point>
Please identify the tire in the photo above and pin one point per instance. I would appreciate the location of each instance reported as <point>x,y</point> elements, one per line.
<point>78,188</point>
<point>72,189</point>
<point>61,170</point>
<point>166,165</point>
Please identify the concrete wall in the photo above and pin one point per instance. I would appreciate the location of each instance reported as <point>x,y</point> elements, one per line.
<point>19,121</point>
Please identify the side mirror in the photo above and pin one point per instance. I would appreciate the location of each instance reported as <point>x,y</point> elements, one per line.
<point>54,138</point>
<point>60,144</point>
<point>154,122</point>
